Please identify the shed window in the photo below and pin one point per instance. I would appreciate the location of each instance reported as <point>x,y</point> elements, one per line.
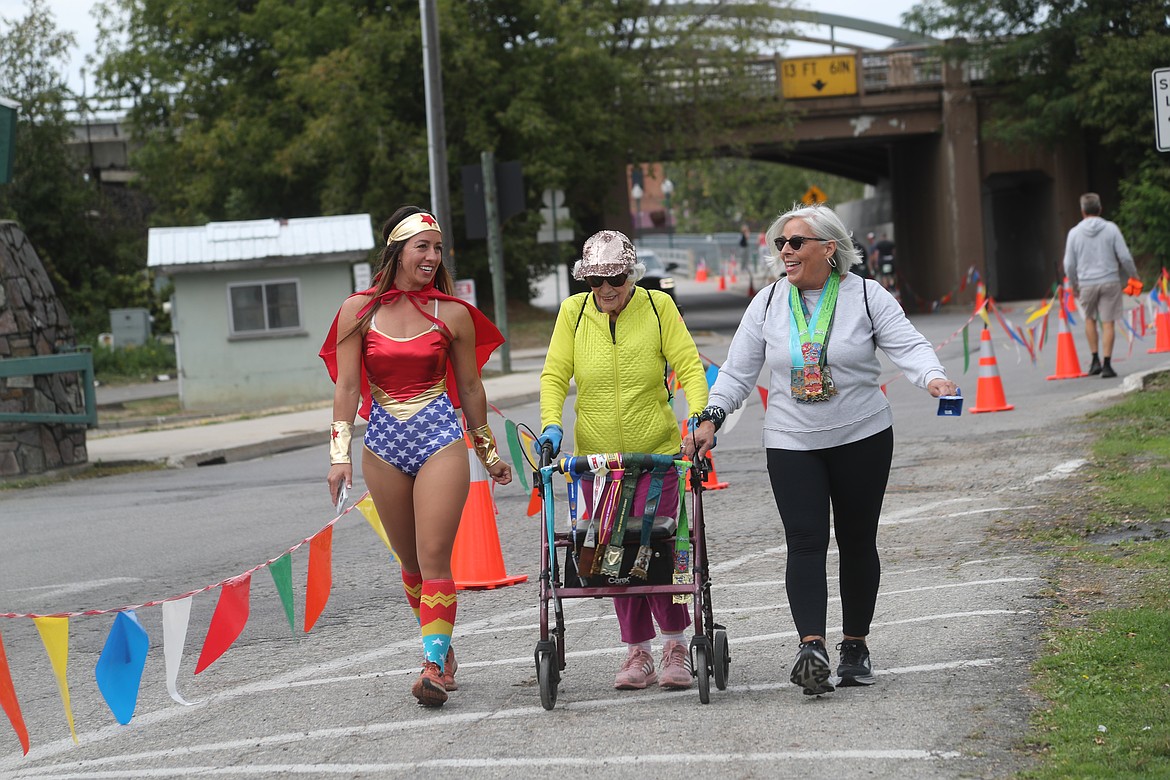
<point>270,306</point>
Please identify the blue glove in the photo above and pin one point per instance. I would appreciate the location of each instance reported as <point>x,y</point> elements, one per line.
<point>552,435</point>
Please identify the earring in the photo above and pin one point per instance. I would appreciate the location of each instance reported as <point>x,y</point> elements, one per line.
<point>832,261</point>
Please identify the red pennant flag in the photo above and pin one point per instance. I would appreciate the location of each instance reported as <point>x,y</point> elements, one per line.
<point>9,702</point>
<point>534,501</point>
<point>231,613</point>
<point>763,395</point>
<point>320,577</point>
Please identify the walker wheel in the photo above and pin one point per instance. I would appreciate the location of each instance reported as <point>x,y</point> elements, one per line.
<point>721,659</point>
<point>703,670</point>
<point>549,679</point>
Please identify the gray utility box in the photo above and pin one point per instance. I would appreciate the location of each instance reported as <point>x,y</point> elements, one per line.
<point>131,327</point>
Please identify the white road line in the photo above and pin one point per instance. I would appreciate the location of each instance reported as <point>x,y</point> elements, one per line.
<point>73,588</point>
<point>1060,471</point>
<point>684,759</point>
<point>983,511</point>
<point>448,721</point>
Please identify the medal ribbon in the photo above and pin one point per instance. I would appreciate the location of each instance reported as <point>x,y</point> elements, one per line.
<point>808,351</point>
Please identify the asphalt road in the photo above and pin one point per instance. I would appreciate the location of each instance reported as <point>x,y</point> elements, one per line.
<point>957,624</point>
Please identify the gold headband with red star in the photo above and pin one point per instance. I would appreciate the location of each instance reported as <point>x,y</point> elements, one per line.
<point>412,226</point>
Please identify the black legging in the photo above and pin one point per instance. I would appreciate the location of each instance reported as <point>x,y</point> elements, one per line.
<point>854,477</point>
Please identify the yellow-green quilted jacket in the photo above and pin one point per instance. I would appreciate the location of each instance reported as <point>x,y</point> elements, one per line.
<point>622,401</point>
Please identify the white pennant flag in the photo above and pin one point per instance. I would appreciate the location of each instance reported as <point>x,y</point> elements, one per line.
<point>175,615</point>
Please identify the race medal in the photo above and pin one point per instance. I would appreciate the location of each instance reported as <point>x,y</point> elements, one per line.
<point>810,378</point>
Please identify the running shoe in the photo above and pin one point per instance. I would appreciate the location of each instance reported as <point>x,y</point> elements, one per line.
<point>637,672</point>
<point>450,666</point>
<point>428,688</point>
<point>811,670</point>
<point>676,666</point>
<point>855,668</point>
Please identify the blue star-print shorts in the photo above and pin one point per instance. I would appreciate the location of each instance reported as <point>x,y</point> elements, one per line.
<point>406,444</point>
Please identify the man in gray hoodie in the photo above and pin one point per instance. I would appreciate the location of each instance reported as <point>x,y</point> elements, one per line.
<point>1094,255</point>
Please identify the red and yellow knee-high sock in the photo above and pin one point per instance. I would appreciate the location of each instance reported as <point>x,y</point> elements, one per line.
<point>437,618</point>
<point>412,585</point>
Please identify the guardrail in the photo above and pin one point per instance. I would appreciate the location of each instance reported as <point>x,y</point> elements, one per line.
<point>72,362</point>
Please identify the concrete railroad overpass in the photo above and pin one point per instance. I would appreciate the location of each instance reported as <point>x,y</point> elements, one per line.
<point>910,125</point>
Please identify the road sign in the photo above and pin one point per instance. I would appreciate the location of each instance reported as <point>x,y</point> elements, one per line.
<point>812,77</point>
<point>8,109</point>
<point>813,195</point>
<point>1161,79</point>
<point>465,290</point>
<point>556,224</point>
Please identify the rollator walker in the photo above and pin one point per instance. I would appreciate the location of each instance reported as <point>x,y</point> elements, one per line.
<point>642,561</point>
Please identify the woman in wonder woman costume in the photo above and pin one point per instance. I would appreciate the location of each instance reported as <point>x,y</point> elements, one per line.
<point>400,350</point>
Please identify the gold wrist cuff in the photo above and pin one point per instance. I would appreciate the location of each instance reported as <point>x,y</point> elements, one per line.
<point>340,435</point>
<point>485,445</point>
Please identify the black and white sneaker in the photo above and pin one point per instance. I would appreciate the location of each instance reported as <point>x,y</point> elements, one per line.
<point>811,670</point>
<point>855,667</point>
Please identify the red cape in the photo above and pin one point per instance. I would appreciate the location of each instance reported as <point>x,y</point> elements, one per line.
<point>487,338</point>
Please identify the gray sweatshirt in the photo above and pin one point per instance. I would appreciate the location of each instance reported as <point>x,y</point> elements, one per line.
<point>1094,250</point>
<point>859,409</point>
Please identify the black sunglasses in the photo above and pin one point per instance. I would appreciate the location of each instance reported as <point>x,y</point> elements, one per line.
<point>617,280</point>
<point>796,242</point>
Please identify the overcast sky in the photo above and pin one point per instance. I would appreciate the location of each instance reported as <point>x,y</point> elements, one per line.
<point>74,15</point>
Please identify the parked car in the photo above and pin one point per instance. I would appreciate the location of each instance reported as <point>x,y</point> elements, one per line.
<point>657,275</point>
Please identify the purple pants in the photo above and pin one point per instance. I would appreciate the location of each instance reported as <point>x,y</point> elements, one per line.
<point>636,614</point>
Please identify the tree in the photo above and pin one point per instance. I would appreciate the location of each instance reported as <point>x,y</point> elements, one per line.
<point>66,217</point>
<point>269,108</point>
<point>1075,66</point>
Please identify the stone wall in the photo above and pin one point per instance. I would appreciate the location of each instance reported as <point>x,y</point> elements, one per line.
<point>33,322</point>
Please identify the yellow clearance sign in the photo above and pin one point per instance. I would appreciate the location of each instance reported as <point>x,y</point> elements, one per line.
<point>819,76</point>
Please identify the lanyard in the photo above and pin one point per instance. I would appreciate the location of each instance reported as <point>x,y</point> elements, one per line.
<point>809,350</point>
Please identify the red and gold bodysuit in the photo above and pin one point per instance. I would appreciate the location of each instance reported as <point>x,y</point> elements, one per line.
<point>411,415</point>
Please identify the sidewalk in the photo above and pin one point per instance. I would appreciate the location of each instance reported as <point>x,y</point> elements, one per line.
<point>208,441</point>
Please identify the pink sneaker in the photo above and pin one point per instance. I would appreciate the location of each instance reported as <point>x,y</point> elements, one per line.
<point>676,666</point>
<point>637,672</point>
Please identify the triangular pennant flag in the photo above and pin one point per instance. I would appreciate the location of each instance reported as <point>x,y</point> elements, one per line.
<point>9,702</point>
<point>519,462</point>
<point>370,512</point>
<point>534,502</point>
<point>763,395</point>
<point>231,613</point>
<point>966,350</point>
<point>320,578</point>
<point>712,374</point>
<point>175,615</point>
<point>54,633</point>
<point>281,571</point>
<point>119,667</point>
<point>732,420</point>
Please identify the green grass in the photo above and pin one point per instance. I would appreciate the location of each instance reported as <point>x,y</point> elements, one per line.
<point>1106,672</point>
<point>133,363</point>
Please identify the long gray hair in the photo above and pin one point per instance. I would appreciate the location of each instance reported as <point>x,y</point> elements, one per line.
<point>824,223</point>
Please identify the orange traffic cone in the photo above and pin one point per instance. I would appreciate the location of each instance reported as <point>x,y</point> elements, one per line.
<point>1068,366</point>
<point>1162,326</point>
<point>477,560</point>
<point>701,271</point>
<point>712,482</point>
<point>722,282</point>
<point>989,393</point>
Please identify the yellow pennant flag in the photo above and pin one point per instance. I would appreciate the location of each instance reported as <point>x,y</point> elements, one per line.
<point>366,507</point>
<point>1041,312</point>
<point>54,633</point>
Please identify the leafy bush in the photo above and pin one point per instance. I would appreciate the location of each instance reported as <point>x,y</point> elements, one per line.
<point>133,362</point>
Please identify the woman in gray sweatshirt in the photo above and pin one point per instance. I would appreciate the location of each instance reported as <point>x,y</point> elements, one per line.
<point>828,427</point>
